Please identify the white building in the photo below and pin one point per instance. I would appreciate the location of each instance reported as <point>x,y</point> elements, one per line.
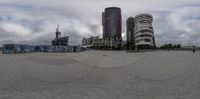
<point>144,34</point>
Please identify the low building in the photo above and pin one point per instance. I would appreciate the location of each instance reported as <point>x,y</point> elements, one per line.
<point>108,44</point>
<point>89,41</point>
<point>84,41</point>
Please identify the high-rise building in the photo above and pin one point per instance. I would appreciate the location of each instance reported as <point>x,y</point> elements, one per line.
<point>111,22</point>
<point>144,33</point>
<point>130,42</point>
<point>140,34</point>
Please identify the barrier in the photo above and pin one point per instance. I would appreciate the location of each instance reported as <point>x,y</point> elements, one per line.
<point>19,48</point>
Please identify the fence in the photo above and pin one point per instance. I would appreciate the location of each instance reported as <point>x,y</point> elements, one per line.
<point>19,48</point>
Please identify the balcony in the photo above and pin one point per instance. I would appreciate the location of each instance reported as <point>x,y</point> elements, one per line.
<point>143,43</point>
<point>144,30</point>
<point>143,39</point>
<point>144,33</point>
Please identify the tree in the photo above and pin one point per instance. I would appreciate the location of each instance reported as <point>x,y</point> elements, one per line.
<point>170,46</point>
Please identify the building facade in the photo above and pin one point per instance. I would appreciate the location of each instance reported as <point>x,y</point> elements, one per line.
<point>89,41</point>
<point>111,22</point>
<point>130,41</point>
<point>84,41</point>
<point>143,35</point>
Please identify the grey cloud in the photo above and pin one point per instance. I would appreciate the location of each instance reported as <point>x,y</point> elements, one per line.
<point>80,18</point>
<point>43,26</point>
<point>178,26</point>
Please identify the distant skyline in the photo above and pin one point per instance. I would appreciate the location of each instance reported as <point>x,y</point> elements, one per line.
<point>35,21</point>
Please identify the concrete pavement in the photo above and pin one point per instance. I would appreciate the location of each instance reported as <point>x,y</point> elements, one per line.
<point>101,75</point>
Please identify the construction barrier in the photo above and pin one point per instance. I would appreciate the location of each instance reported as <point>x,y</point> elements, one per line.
<point>19,48</point>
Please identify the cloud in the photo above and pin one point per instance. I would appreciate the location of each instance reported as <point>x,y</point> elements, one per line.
<point>34,21</point>
<point>15,29</point>
<point>178,26</point>
<point>39,28</point>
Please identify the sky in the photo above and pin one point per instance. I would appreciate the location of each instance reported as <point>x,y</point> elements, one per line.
<point>35,21</point>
